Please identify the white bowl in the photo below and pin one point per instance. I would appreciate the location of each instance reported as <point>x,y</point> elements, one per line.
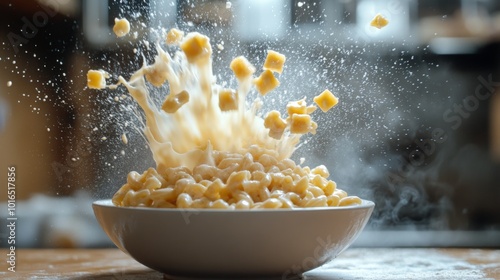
<point>238,243</point>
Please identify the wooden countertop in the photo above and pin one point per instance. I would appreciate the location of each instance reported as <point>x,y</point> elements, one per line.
<point>355,263</point>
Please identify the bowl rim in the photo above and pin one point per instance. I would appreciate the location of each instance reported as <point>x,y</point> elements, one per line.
<point>107,203</point>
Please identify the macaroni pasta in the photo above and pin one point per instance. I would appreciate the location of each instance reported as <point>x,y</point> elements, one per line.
<point>250,181</point>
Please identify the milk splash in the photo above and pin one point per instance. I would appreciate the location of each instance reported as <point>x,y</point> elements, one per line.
<point>188,136</point>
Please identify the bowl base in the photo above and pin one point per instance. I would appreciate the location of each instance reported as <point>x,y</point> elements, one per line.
<point>187,277</point>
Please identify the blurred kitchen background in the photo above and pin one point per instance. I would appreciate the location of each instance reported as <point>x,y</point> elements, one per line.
<point>417,130</point>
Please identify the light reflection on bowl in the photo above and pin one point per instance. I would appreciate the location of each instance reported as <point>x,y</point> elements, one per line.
<point>242,243</point>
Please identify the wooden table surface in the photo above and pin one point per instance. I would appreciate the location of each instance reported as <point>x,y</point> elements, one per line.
<point>355,263</point>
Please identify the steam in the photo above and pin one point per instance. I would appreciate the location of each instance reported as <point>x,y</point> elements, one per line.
<point>377,142</point>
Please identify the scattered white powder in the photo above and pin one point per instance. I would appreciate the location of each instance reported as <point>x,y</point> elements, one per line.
<point>397,264</point>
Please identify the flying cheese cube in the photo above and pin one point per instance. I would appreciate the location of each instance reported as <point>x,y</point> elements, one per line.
<point>274,61</point>
<point>228,100</point>
<point>96,79</point>
<point>174,36</point>
<point>121,27</point>
<point>242,68</point>
<point>300,124</point>
<point>196,47</point>
<point>156,75</point>
<point>326,100</point>
<point>275,124</point>
<point>296,107</point>
<point>379,21</point>
<point>266,82</point>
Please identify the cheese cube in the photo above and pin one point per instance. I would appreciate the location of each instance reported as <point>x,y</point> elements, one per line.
<point>275,124</point>
<point>379,21</point>
<point>326,100</point>
<point>242,68</point>
<point>228,100</point>
<point>174,36</point>
<point>121,27</point>
<point>274,61</point>
<point>300,123</point>
<point>155,75</point>
<point>296,107</point>
<point>175,101</point>
<point>196,47</point>
<point>96,79</point>
<point>266,82</point>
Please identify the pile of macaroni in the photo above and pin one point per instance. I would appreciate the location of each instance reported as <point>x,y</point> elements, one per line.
<point>253,180</point>
<point>212,150</point>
